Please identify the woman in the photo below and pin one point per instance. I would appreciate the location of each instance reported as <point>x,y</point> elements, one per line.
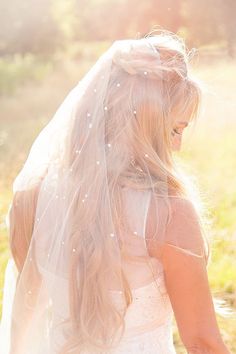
<point>107,237</point>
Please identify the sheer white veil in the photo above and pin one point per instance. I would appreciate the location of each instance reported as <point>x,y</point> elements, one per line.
<point>70,231</point>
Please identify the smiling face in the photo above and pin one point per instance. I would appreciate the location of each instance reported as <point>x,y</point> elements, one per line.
<point>186,108</point>
<point>177,133</point>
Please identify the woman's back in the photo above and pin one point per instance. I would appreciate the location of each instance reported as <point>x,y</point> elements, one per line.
<point>148,320</point>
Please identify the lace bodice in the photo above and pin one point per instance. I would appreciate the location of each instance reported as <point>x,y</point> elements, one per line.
<point>150,307</point>
<point>148,320</point>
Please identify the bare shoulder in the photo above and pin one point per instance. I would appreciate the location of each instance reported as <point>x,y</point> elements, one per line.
<point>181,205</point>
<point>175,211</point>
<point>172,221</point>
<point>185,230</point>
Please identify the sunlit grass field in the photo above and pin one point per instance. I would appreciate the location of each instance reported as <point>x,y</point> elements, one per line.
<point>208,151</point>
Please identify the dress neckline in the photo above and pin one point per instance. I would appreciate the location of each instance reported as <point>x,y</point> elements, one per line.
<point>133,290</point>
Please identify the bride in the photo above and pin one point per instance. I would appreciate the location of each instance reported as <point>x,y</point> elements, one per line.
<point>107,237</point>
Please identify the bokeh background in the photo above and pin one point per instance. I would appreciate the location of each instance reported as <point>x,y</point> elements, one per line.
<point>46,46</point>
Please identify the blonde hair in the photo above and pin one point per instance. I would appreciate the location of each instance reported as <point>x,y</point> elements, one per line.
<point>170,93</point>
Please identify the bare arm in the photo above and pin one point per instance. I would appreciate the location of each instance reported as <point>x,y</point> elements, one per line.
<point>189,292</point>
<point>187,282</point>
<point>21,215</point>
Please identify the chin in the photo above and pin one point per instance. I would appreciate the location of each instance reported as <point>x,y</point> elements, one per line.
<point>176,148</point>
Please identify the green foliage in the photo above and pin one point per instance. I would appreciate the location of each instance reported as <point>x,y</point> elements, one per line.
<point>17,69</point>
<point>67,18</point>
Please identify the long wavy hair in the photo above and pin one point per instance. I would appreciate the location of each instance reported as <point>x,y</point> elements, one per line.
<point>157,104</point>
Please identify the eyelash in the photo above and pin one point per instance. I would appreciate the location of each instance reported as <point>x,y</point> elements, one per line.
<point>177,132</point>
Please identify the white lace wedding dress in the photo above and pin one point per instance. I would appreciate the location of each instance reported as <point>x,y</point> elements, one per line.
<point>148,320</point>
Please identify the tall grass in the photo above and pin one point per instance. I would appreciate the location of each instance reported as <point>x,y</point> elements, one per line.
<point>16,70</point>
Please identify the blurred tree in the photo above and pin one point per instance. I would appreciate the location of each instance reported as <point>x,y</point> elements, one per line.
<point>112,19</point>
<point>147,15</point>
<point>28,26</point>
<point>102,19</point>
<point>201,18</point>
<point>46,25</point>
<point>66,17</point>
<point>229,23</point>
